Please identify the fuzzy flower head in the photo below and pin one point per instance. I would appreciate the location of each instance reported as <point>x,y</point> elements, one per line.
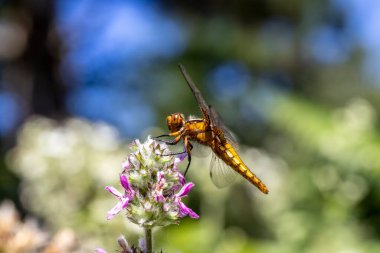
<point>152,186</point>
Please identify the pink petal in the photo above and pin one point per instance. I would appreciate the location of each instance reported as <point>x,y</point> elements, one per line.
<point>160,176</point>
<point>184,190</point>
<point>100,250</point>
<point>179,158</point>
<point>182,156</point>
<point>159,185</point>
<point>132,160</point>
<point>137,142</point>
<point>125,165</point>
<point>113,190</point>
<point>125,183</point>
<point>117,208</point>
<point>187,211</point>
<point>160,197</point>
<point>193,215</point>
<point>166,207</point>
<point>181,178</point>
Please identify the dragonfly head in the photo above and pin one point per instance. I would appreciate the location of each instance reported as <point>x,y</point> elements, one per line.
<point>175,122</point>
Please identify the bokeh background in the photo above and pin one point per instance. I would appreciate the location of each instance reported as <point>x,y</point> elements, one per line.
<point>297,81</point>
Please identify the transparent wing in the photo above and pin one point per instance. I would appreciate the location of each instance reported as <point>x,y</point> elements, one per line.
<point>221,174</point>
<point>197,94</point>
<point>209,111</point>
<point>218,121</point>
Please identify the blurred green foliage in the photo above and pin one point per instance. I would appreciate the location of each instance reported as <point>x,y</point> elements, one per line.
<point>315,203</point>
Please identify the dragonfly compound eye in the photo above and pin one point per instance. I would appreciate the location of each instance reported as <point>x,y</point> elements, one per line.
<point>174,122</point>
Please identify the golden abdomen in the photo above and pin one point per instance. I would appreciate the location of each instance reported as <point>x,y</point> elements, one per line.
<point>197,130</point>
<point>228,154</point>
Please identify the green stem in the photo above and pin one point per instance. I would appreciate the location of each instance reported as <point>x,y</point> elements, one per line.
<point>148,240</point>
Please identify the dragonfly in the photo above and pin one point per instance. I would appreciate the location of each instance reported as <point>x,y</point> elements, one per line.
<point>211,132</point>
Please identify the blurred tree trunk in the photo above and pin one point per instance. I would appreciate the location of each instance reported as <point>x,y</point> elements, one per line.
<point>34,76</point>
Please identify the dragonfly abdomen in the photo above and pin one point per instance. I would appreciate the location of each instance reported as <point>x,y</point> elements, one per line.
<point>228,154</point>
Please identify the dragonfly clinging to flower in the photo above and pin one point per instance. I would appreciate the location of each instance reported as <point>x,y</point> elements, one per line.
<point>212,132</point>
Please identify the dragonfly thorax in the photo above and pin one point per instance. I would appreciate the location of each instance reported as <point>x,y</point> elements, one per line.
<point>175,122</point>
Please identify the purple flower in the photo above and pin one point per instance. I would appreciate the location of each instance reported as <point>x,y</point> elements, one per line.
<point>124,247</point>
<point>177,161</point>
<point>123,198</point>
<point>153,186</point>
<point>158,191</point>
<point>184,210</point>
<point>123,244</point>
<point>179,158</point>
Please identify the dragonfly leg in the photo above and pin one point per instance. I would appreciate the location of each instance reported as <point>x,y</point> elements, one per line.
<point>179,153</point>
<point>172,142</point>
<point>160,136</point>
<point>167,142</point>
<point>188,148</point>
<point>164,141</point>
